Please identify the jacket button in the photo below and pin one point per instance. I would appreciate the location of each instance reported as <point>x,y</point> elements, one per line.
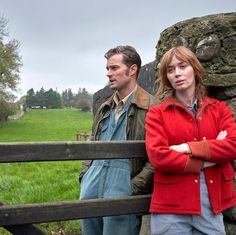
<point>195,139</point>
<point>196,181</point>
<point>211,181</point>
<point>204,138</point>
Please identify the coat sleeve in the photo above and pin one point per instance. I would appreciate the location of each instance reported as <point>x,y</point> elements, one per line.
<point>218,151</point>
<point>157,146</point>
<point>84,167</point>
<point>142,183</point>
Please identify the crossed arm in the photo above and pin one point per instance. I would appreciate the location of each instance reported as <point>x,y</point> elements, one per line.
<point>184,148</point>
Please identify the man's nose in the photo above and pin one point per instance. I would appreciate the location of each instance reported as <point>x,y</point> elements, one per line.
<point>108,73</point>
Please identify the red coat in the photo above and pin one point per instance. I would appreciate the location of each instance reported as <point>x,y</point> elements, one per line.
<point>177,175</point>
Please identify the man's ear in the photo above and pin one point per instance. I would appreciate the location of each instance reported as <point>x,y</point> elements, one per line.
<point>133,69</point>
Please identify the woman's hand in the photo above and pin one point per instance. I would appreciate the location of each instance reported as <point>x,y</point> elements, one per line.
<point>183,148</point>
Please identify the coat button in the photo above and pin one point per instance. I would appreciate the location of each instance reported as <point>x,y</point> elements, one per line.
<point>196,181</point>
<point>211,181</point>
<point>195,139</point>
<point>204,138</point>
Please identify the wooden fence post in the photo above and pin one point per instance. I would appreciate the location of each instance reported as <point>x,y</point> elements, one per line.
<point>80,136</point>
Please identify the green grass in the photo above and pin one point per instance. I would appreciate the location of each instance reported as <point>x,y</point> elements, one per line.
<point>22,183</point>
<point>46,125</point>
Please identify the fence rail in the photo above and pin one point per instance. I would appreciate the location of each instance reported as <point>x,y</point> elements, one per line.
<point>18,218</point>
<point>65,151</point>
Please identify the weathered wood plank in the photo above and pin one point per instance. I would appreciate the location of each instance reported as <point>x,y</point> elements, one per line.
<point>26,229</point>
<point>59,151</point>
<point>71,210</point>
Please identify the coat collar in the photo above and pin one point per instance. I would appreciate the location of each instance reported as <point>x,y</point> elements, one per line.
<point>172,102</point>
<point>141,99</point>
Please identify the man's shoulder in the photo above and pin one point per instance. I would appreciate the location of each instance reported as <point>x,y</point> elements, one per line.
<point>144,98</point>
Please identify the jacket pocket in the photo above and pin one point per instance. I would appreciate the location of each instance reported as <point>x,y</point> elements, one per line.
<point>168,189</point>
<point>228,188</point>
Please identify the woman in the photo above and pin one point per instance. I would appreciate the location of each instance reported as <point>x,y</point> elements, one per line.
<point>190,141</point>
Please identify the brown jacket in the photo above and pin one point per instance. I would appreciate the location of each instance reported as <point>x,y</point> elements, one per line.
<point>142,171</point>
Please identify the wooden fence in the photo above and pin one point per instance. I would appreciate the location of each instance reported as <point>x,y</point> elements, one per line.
<point>19,219</point>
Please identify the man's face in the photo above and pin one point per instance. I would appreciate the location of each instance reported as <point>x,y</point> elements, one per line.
<point>118,73</point>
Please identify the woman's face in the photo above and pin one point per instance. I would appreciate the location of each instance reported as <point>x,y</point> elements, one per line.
<point>181,76</point>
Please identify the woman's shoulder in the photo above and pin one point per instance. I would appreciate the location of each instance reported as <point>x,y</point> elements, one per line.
<point>213,101</point>
<point>161,106</point>
<point>216,104</point>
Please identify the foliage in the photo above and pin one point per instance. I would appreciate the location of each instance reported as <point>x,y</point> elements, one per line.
<point>42,98</point>
<point>6,109</point>
<point>10,62</point>
<point>67,98</point>
<point>52,99</point>
<point>82,100</point>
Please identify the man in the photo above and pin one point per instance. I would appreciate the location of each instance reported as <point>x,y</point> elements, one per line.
<point>121,117</point>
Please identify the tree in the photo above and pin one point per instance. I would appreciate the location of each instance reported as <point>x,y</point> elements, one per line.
<point>67,98</point>
<point>6,109</point>
<point>30,98</point>
<point>10,62</point>
<point>40,97</point>
<point>53,99</point>
<point>50,99</point>
<point>83,100</point>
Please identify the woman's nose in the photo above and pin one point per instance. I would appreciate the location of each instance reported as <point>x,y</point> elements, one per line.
<point>177,71</point>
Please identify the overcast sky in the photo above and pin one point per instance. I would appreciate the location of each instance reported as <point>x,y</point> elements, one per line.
<point>63,42</point>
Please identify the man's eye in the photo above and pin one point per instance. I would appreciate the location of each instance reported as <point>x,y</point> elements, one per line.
<point>114,68</point>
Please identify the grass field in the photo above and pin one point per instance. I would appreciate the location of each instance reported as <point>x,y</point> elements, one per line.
<point>22,183</point>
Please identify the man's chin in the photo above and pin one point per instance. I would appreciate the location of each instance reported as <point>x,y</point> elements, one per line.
<point>113,87</point>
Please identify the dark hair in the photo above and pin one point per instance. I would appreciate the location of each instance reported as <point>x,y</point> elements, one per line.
<point>184,54</point>
<point>130,56</point>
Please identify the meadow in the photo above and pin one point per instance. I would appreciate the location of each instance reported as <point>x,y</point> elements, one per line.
<point>22,183</point>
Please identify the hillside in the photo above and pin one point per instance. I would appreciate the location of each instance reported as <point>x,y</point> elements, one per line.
<point>46,125</point>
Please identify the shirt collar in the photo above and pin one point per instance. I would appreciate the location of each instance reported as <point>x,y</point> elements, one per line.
<point>125,99</point>
<point>189,106</point>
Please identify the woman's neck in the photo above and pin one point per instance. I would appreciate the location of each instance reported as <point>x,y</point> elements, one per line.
<point>187,99</point>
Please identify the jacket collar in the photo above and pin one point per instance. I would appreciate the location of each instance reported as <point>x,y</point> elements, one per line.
<point>172,102</point>
<point>141,99</point>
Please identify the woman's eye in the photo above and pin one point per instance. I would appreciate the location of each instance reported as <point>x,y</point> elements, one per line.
<point>170,70</point>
